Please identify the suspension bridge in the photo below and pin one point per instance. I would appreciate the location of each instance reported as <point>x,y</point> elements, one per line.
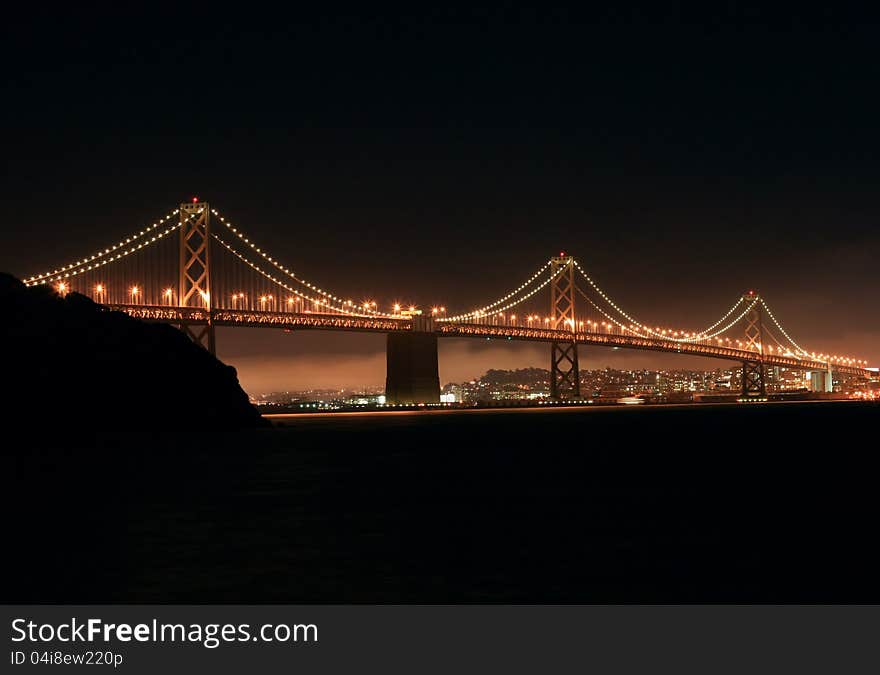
<point>194,269</point>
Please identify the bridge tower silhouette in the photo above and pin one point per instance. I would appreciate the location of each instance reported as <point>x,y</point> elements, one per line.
<point>195,271</point>
<point>753,371</point>
<point>565,379</point>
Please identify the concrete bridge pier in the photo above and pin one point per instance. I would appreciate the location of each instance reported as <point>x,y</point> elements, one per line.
<point>412,374</point>
<point>822,381</point>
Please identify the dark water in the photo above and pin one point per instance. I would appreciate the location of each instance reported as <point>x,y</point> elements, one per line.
<point>759,503</point>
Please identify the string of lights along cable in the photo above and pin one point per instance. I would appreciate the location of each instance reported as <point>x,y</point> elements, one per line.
<point>193,265</point>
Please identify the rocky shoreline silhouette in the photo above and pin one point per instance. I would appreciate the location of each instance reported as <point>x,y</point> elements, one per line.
<point>69,361</point>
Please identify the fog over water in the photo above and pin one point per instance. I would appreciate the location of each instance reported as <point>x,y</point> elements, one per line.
<point>327,360</point>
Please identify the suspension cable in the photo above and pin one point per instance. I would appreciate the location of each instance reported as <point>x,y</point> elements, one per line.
<point>779,326</point>
<point>286,270</point>
<point>706,333</point>
<point>701,336</point>
<point>782,347</point>
<point>480,313</point>
<point>341,308</point>
<point>68,270</point>
<point>493,307</point>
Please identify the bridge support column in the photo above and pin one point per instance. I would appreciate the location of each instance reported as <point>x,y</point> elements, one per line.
<point>412,374</point>
<point>753,372</point>
<point>565,377</point>
<point>753,384</point>
<point>821,381</point>
<point>195,271</point>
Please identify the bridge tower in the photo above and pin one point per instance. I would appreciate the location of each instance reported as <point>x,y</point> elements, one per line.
<point>565,380</point>
<point>753,372</point>
<point>195,271</point>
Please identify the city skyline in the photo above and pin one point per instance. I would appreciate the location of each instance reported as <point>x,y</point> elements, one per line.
<point>302,371</point>
<point>529,387</point>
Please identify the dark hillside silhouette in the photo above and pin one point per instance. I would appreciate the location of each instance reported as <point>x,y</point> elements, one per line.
<point>67,360</point>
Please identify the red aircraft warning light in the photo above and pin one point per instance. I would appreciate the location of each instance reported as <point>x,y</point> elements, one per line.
<point>195,200</point>
<point>562,254</point>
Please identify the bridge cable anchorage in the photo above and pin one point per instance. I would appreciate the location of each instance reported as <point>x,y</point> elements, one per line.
<point>493,307</point>
<point>286,270</point>
<point>74,268</point>
<point>281,284</point>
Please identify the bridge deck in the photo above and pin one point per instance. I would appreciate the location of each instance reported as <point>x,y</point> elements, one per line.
<point>343,322</point>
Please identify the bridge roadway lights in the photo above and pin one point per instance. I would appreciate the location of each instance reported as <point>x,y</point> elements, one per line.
<point>412,372</point>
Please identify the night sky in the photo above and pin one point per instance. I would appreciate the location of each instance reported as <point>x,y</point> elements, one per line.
<point>442,157</point>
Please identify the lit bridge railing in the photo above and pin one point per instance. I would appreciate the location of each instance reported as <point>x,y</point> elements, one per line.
<point>636,342</point>
<point>256,319</point>
<point>308,320</point>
